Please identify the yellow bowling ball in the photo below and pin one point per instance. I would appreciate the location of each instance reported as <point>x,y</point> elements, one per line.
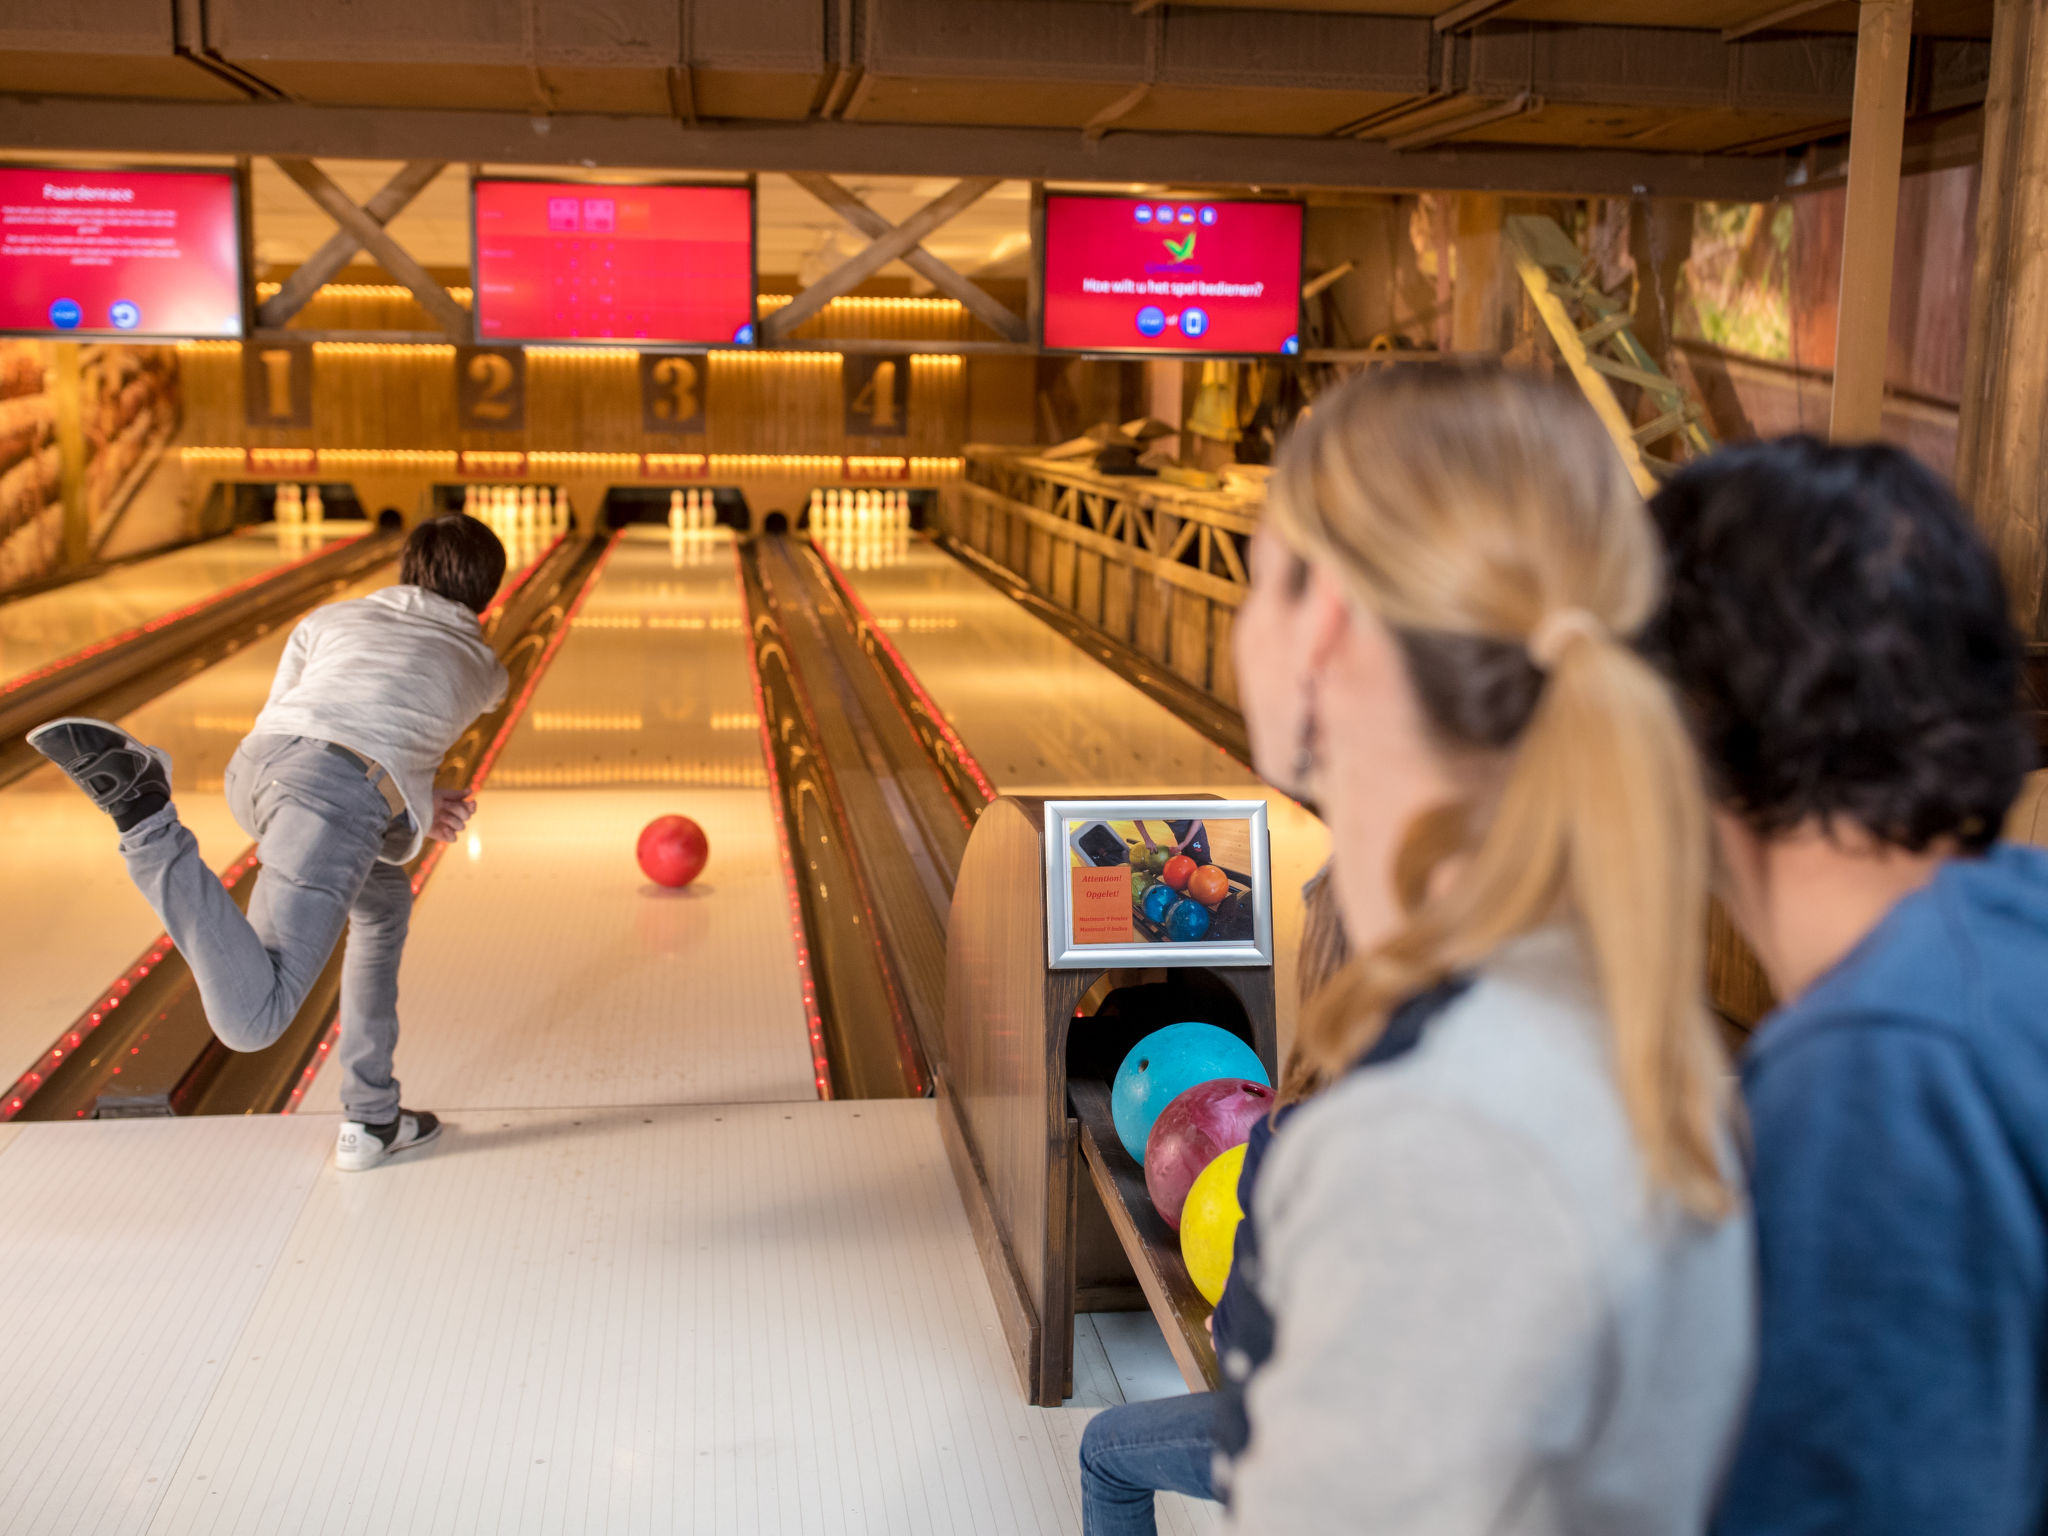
<point>1208,1223</point>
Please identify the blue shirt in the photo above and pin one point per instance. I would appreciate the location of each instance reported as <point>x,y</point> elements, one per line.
<point>1900,1113</point>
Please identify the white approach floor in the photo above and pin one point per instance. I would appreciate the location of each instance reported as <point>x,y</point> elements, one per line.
<point>70,921</point>
<point>544,969</point>
<point>35,631</point>
<point>1043,717</point>
<point>732,1318</point>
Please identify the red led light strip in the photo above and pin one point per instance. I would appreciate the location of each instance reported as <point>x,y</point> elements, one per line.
<point>24,1087</point>
<point>476,781</point>
<point>515,464</point>
<point>814,1021</point>
<point>151,626</point>
<point>938,716</point>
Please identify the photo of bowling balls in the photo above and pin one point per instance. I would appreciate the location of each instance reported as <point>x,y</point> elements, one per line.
<point>1157,901</point>
<point>1178,871</point>
<point>1208,1223</point>
<point>672,851</point>
<point>1209,1119</point>
<point>1164,1065</point>
<point>1186,921</point>
<point>1209,885</point>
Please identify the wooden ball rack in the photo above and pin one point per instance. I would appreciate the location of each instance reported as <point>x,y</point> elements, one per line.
<point>1059,1209</point>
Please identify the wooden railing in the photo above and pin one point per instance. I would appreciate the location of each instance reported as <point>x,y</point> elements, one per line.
<point>1156,566</point>
<point>1161,569</point>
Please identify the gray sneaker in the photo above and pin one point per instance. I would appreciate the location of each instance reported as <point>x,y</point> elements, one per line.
<point>122,775</point>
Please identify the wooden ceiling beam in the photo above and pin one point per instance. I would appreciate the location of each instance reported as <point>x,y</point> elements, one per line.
<point>992,312</point>
<point>298,289</point>
<point>1774,18</point>
<point>897,240</point>
<point>1051,154</point>
<point>1468,14</point>
<point>391,256</point>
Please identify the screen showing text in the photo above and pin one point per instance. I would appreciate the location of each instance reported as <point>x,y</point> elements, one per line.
<point>575,261</point>
<point>1132,274</point>
<point>119,253</point>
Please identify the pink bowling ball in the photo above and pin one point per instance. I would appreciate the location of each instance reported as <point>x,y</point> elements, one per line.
<point>1203,1122</point>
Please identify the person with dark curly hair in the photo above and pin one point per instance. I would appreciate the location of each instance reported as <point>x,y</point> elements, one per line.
<point>1840,634</point>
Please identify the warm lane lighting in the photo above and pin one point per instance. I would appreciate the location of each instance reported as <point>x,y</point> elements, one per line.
<point>587,720</point>
<point>504,462</point>
<point>739,775</point>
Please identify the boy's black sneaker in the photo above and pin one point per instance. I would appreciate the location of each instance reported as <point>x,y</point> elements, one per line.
<point>126,779</point>
<point>361,1145</point>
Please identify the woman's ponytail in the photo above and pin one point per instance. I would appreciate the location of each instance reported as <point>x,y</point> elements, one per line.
<point>1487,521</point>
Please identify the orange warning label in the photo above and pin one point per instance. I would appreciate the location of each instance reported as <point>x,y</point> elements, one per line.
<point>1102,905</point>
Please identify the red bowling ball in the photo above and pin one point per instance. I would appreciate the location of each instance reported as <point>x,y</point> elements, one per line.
<point>672,850</point>
<point>1191,1132</point>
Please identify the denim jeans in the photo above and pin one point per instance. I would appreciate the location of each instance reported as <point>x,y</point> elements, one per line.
<point>1130,1452</point>
<point>319,826</point>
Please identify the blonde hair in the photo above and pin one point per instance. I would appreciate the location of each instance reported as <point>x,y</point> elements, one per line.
<point>1483,516</point>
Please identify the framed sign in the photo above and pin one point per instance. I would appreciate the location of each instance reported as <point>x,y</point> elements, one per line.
<point>877,393</point>
<point>1157,883</point>
<point>672,392</point>
<point>277,383</point>
<point>490,389</point>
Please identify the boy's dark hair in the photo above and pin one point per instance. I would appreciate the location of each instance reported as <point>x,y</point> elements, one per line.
<point>456,556</point>
<point>1840,634</point>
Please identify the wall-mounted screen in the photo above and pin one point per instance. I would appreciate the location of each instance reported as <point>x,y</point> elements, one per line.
<point>1169,274</point>
<point>124,254</point>
<point>1157,882</point>
<point>583,261</point>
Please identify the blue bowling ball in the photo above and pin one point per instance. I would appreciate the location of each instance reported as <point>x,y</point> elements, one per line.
<point>1158,899</point>
<point>1164,1065</point>
<point>1186,921</point>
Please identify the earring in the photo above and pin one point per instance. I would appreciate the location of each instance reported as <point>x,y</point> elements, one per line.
<point>1304,765</point>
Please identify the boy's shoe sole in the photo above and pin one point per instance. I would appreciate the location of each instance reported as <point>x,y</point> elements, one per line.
<point>359,1147</point>
<point>112,767</point>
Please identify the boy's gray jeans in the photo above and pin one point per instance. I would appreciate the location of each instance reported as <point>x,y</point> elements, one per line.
<point>319,824</point>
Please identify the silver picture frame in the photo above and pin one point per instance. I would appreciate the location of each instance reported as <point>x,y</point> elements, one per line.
<point>1063,954</point>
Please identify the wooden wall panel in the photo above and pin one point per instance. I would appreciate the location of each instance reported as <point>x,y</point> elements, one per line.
<point>389,395</point>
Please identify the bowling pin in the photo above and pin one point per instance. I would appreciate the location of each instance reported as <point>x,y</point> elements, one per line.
<point>316,512</point>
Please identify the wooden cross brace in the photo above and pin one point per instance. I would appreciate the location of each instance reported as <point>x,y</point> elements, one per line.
<point>892,242</point>
<point>364,228</point>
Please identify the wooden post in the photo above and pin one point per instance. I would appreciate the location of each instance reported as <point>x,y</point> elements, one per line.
<point>67,386</point>
<point>1476,303</point>
<point>1999,459</point>
<point>1884,46</point>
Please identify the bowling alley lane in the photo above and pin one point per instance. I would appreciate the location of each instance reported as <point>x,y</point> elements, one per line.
<point>37,630</point>
<point>70,922</point>
<point>1043,717</point>
<point>544,969</point>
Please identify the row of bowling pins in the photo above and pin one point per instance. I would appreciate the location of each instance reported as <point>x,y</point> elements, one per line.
<point>691,511</point>
<point>837,511</point>
<point>295,506</point>
<point>518,508</point>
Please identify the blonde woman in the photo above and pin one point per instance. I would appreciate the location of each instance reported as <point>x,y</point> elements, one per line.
<point>1496,1275</point>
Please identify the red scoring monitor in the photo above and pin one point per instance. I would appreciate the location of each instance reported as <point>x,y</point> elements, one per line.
<point>140,254</point>
<point>559,260</point>
<point>1170,274</point>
